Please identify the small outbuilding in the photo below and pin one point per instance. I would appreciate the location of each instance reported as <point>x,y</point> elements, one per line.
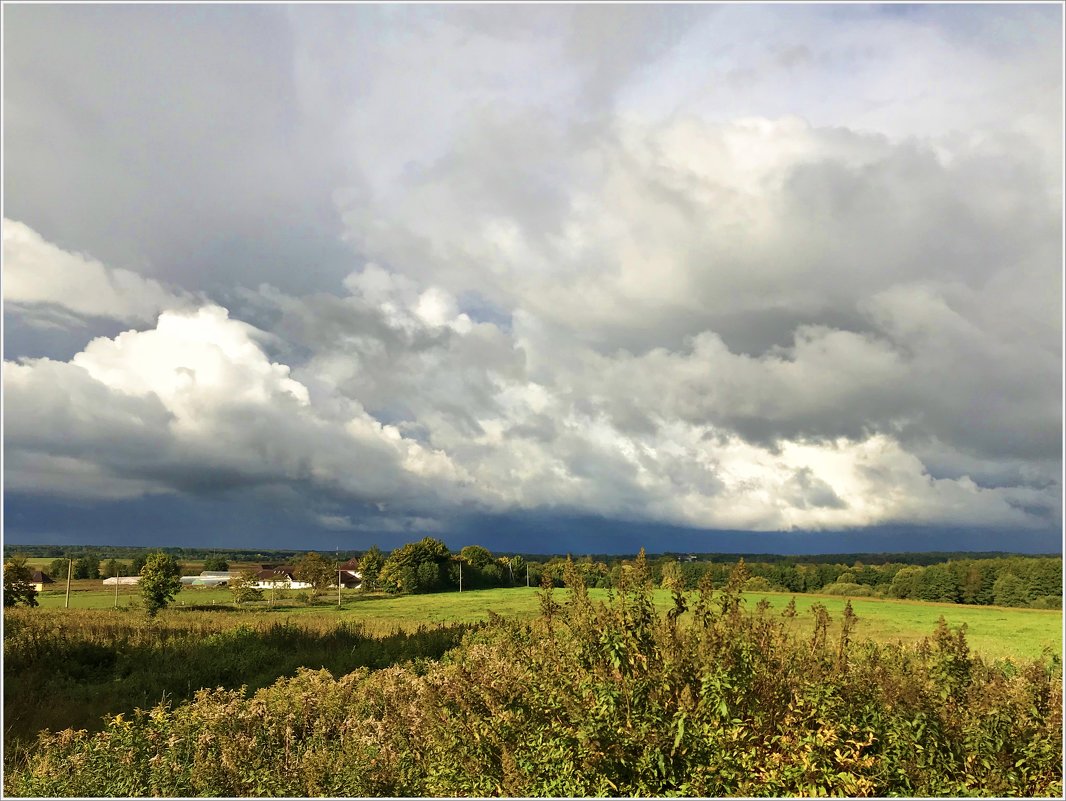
<point>39,578</point>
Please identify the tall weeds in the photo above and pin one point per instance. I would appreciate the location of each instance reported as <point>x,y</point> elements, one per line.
<point>603,699</point>
<point>69,669</point>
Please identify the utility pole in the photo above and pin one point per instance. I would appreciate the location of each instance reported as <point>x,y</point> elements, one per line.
<point>119,573</point>
<point>338,589</point>
<point>527,574</point>
<point>70,569</point>
<point>460,575</point>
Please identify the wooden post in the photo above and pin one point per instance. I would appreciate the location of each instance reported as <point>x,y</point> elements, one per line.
<point>338,589</point>
<point>527,574</point>
<point>70,569</point>
<point>460,575</point>
<point>116,587</point>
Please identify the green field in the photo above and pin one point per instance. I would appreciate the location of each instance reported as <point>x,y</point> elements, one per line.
<point>995,632</point>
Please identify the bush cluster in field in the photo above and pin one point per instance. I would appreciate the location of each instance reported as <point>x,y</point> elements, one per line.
<point>69,667</point>
<point>610,699</point>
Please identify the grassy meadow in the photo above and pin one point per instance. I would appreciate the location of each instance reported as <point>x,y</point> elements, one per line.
<point>587,700</point>
<point>995,632</point>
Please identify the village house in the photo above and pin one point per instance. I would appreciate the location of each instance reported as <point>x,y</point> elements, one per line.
<point>281,578</point>
<point>349,574</point>
<point>39,578</point>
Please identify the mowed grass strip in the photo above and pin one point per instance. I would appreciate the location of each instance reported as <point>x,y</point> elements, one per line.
<point>995,632</point>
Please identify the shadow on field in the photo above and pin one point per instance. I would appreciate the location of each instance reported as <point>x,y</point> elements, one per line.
<point>68,670</point>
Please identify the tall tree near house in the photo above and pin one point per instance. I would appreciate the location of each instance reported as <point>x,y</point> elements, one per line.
<point>160,582</point>
<point>317,571</point>
<point>58,569</point>
<point>18,586</point>
<point>244,589</point>
<point>370,567</point>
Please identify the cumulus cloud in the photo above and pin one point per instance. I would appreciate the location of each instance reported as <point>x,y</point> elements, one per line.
<point>51,286</point>
<point>724,268</point>
<point>194,405</point>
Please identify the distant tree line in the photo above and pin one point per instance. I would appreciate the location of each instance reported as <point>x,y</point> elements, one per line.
<point>429,566</point>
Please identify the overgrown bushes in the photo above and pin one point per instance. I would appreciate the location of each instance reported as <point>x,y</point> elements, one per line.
<point>68,668</point>
<point>603,699</point>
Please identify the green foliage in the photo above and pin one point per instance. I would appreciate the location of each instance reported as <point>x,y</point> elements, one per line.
<point>58,569</point>
<point>417,567</point>
<point>850,590</point>
<point>936,583</point>
<point>603,699</point>
<point>244,589</point>
<point>370,568</point>
<point>17,586</point>
<point>88,567</point>
<point>517,569</point>
<point>758,584</point>
<point>1009,590</point>
<point>69,667</point>
<point>160,582</point>
<point>111,568</point>
<point>317,571</point>
<point>476,556</point>
<point>215,562</point>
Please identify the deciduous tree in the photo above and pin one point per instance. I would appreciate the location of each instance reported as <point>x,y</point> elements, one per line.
<point>58,569</point>
<point>403,571</point>
<point>317,571</point>
<point>370,568</point>
<point>244,588</point>
<point>88,567</point>
<point>18,588</point>
<point>160,582</point>
<point>215,562</point>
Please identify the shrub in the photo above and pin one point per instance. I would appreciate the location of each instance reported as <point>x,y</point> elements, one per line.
<point>850,589</point>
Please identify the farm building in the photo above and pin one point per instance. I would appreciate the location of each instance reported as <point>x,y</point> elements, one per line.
<point>122,580</point>
<point>349,574</point>
<point>282,577</point>
<point>209,578</point>
<point>39,578</point>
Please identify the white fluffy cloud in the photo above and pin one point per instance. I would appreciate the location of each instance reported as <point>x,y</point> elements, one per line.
<point>194,405</point>
<point>50,286</point>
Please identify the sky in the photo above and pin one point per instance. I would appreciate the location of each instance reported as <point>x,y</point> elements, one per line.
<point>548,278</point>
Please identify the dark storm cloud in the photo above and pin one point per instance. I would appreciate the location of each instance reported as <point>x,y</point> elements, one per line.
<point>734,267</point>
<point>169,140</point>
